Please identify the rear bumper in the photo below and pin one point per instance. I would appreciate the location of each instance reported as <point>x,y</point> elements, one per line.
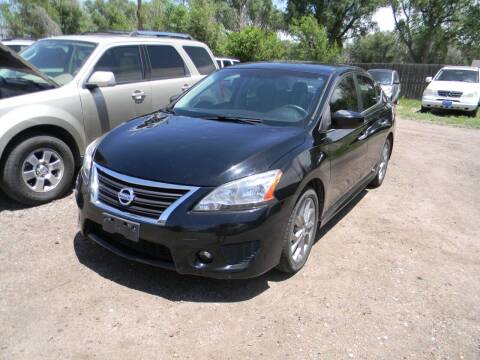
<point>243,244</point>
<point>456,104</point>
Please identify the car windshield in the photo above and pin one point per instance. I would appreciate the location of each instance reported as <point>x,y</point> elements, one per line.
<point>59,59</point>
<point>275,97</point>
<point>470,76</point>
<point>382,77</point>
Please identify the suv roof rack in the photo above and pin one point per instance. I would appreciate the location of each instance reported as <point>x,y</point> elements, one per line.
<point>148,33</point>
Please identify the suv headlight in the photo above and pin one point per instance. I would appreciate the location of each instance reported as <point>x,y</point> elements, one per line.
<point>428,92</point>
<point>246,193</point>
<point>471,94</point>
<point>88,158</point>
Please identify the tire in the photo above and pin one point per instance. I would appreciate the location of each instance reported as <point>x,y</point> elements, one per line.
<point>293,259</point>
<point>22,175</point>
<point>382,165</point>
<point>473,113</point>
<point>424,109</point>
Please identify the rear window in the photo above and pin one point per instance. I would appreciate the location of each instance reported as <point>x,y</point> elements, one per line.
<point>201,59</point>
<point>166,62</point>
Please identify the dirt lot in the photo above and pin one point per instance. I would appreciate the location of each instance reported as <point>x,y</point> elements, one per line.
<point>396,276</point>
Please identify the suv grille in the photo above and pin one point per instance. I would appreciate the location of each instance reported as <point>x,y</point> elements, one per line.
<point>148,202</point>
<point>455,94</point>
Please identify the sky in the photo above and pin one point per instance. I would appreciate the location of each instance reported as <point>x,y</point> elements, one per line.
<point>384,19</point>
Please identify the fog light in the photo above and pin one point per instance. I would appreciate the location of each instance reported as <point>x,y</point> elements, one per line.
<point>205,256</point>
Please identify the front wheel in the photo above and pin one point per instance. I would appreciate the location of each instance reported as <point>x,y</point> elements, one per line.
<point>38,169</point>
<point>473,113</point>
<point>382,166</point>
<point>300,232</point>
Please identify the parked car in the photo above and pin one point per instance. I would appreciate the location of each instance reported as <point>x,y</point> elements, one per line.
<point>453,88</point>
<point>389,82</point>
<point>65,91</point>
<point>235,177</point>
<point>224,62</point>
<point>18,45</point>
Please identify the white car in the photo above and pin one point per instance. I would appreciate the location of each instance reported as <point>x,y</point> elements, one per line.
<point>224,62</point>
<point>18,45</point>
<point>454,88</point>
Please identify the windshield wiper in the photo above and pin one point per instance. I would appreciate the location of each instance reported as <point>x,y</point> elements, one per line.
<point>168,110</point>
<point>233,119</point>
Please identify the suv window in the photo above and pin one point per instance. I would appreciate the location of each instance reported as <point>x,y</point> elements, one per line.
<point>201,59</point>
<point>395,77</point>
<point>344,96</point>
<point>367,92</point>
<point>166,62</point>
<point>124,62</point>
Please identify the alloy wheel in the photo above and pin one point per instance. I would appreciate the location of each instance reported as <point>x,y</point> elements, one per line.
<point>303,232</point>
<point>42,170</point>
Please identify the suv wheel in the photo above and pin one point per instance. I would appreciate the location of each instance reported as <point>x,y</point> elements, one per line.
<point>39,169</point>
<point>300,233</point>
<point>382,166</point>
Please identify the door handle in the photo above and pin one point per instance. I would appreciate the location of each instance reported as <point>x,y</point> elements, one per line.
<point>363,135</point>
<point>138,96</point>
<point>185,87</point>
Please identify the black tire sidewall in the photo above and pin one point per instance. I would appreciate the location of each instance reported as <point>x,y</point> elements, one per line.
<point>376,182</point>
<point>12,180</point>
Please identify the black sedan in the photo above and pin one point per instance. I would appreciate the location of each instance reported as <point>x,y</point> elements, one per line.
<point>236,176</point>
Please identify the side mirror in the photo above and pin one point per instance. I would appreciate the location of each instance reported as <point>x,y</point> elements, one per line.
<point>428,79</point>
<point>101,79</point>
<point>174,98</point>
<point>345,119</point>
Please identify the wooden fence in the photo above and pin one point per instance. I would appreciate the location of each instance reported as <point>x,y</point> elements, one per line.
<point>412,76</point>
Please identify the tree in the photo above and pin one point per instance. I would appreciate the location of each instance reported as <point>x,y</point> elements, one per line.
<point>68,14</point>
<point>428,27</point>
<point>312,41</point>
<point>379,47</point>
<point>254,44</point>
<point>111,14</point>
<point>341,18</point>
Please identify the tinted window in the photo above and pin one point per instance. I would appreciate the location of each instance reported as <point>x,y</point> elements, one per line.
<point>367,92</point>
<point>124,62</point>
<point>166,62</point>
<point>201,59</point>
<point>226,63</point>
<point>276,97</point>
<point>344,96</point>
<point>219,63</point>
<point>470,76</point>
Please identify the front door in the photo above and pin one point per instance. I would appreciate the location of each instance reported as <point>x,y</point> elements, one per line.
<point>107,107</point>
<point>346,147</point>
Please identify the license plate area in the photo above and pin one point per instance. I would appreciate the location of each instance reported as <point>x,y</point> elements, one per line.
<point>115,225</point>
<point>447,103</point>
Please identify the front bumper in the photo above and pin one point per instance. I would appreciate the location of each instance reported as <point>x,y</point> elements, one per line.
<point>456,103</point>
<point>244,244</point>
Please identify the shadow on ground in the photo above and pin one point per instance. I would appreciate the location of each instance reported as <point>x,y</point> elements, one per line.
<point>175,287</point>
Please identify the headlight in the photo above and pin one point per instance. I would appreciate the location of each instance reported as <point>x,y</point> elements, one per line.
<point>245,193</point>
<point>471,94</point>
<point>428,92</point>
<point>88,158</point>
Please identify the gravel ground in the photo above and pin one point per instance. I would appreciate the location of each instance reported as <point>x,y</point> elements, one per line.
<point>395,276</point>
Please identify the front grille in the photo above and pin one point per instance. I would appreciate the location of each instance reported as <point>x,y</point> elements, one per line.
<point>149,202</point>
<point>144,249</point>
<point>446,93</point>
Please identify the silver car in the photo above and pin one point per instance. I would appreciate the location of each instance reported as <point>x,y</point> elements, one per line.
<point>64,92</point>
<point>389,82</point>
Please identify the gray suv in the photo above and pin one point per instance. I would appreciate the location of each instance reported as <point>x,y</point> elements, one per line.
<point>64,92</point>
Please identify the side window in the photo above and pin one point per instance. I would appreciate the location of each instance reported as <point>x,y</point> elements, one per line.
<point>367,92</point>
<point>124,62</point>
<point>201,59</point>
<point>344,96</point>
<point>226,63</point>
<point>395,77</point>
<point>166,62</point>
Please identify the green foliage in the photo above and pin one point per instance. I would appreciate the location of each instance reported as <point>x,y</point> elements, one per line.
<point>313,44</point>
<point>341,18</point>
<point>111,14</point>
<point>379,47</point>
<point>254,44</point>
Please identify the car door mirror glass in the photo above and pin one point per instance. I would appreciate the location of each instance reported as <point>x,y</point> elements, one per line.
<point>345,119</point>
<point>101,79</point>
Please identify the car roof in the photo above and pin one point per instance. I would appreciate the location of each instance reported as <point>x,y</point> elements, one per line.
<point>107,38</point>
<point>224,58</point>
<point>460,68</point>
<point>18,42</point>
<point>301,67</point>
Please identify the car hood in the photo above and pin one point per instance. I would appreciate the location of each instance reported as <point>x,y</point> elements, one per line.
<point>194,151</point>
<point>12,61</point>
<point>454,86</point>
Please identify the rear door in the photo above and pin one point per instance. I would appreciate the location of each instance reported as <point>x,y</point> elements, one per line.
<point>378,117</point>
<point>129,98</point>
<point>168,73</point>
<point>346,147</point>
